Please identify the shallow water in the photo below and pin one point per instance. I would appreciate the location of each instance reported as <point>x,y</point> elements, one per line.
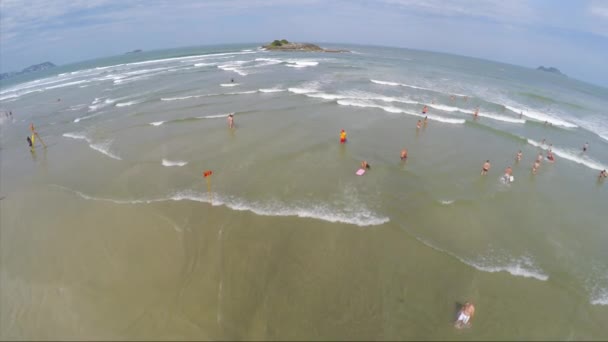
<point>111,232</point>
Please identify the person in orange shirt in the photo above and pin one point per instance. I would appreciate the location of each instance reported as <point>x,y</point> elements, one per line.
<point>342,137</point>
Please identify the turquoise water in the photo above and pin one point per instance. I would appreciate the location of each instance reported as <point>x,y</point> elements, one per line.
<point>294,245</point>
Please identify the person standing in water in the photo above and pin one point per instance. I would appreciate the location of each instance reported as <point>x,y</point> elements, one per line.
<point>365,165</point>
<point>535,167</point>
<point>34,136</point>
<point>424,109</point>
<point>518,156</point>
<point>404,154</point>
<point>342,137</point>
<point>508,174</point>
<point>230,121</point>
<point>476,113</point>
<point>585,147</point>
<point>603,174</point>
<point>464,316</point>
<point>539,158</point>
<point>550,156</point>
<point>426,121</point>
<point>485,168</point>
<point>418,124</point>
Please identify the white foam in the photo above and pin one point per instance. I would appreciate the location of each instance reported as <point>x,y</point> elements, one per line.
<point>385,83</point>
<point>78,136</point>
<point>217,116</point>
<point>367,104</point>
<point>229,84</point>
<point>448,108</point>
<point>271,90</point>
<point>501,118</point>
<point>179,98</point>
<point>520,267</point>
<point>198,65</point>
<point>572,155</point>
<point>400,84</point>
<point>170,163</point>
<point>125,104</point>
<point>446,202</point>
<point>157,123</point>
<point>86,117</point>
<point>357,215</point>
<point>301,63</point>
<point>302,90</point>
<point>541,117</point>
<point>600,297</point>
<point>103,147</point>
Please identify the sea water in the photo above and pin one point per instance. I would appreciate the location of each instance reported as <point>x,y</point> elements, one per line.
<point>112,231</point>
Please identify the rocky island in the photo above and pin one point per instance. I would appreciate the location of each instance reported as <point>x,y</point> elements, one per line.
<point>134,51</point>
<point>284,45</point>
<point>32,68</point>
<point>550,69</point>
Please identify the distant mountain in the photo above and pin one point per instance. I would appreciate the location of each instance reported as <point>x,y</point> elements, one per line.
<point>32,68</point>
<point>134,51</point>
<point>550,69</point>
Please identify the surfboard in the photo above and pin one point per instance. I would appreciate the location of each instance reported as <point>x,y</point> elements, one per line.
<point>360,172</point>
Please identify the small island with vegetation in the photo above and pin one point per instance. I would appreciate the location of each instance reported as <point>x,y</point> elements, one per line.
<point>30,69</point>
<point>284,45</point>
<point>551,70</point>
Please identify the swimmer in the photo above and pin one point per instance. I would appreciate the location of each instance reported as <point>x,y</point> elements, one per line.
<point>535,167</point>
<point>426,121</point>
<point>404,154</point>
<point>365,165</point>
<point>476,112</point>
<point>550,156</point>
<point>29,141</point>
<point>603,174</point>
<point>543,142</point>
<point>232,80</point>
<point>518,156</point>
<point>485,168</point>
<point>585,147</point>
<point>540,157</point>
<point>452,98</point>
<point>342,136</point>
<point>230,121</point>
<point>508,171</point>
<point>425,109</point>
<point>464,316</point>
<point>418,124</point>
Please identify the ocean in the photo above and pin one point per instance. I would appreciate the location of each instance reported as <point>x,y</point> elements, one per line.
<point>112,232</point>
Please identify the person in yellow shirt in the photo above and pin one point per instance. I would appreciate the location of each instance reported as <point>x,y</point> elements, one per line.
<point>342,137</point>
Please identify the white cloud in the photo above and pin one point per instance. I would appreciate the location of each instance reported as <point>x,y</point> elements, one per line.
<point>599,9</point>
<point>498,10</point>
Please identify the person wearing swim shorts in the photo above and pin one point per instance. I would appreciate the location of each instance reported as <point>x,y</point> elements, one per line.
<point>585,147</point>
<point>342,136</point>
<point>419,124</point>
<point>230,121</point>
<point>426,121</point>
<point>519,155</point>
<point>424,109</point>
<point>465,315</point>
<point>365,165</point>
<point>550,156</point>
<point>603,174</point>
<point>404,154</point>
<point>485,168</point>
<point>535,167</point>
<point>540,157</point>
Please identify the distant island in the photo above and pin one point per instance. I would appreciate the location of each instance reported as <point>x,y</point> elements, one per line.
<point>134,51</point>
<point>284,45</point>
<point>30,69</point>
<point>550,69</point>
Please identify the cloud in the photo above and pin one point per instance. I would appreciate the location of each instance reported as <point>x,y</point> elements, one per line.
<point>599,9</point>
<point>496,10</point>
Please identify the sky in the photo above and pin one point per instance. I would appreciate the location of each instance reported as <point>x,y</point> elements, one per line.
<point>571,35</point>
